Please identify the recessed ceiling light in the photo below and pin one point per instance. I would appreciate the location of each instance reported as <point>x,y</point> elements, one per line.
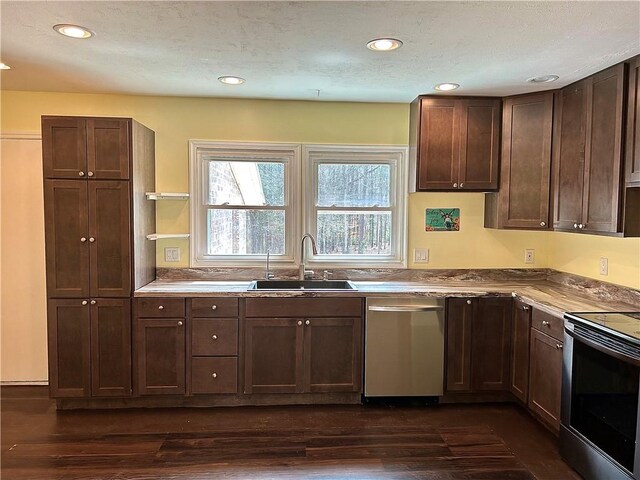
<point>445,87</point>
<point>4,66</point>
<point>384,44</point>
<point>231,80</point>
<point>73,31</point>
<point>543,79</point>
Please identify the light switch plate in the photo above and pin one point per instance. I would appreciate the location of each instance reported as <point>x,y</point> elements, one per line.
<point>604,266</point>
<point>420,255</point>
<point>172,254</point>
<point>529,255</point>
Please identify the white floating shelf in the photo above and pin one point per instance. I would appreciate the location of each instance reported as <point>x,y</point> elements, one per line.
<point>158,236</point>
<point>167,196</point>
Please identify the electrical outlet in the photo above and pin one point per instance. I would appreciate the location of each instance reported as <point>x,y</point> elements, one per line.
<point>529,255</point>
<point>604,266</point>
<point>420,255</point>
<point>172,254</point>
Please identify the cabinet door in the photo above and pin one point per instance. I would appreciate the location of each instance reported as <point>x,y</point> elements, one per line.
<point>633,124</point>
<point>69,348</point>
<point>110,347</point>
<point>160,352</point>
<point>64,147</point>
<point>479,144</point>
<point>545,380</point>
<point>603,172</point>
<point>569,154</point>
<point>108,142</point>
<point>526,161</point>
<point>520,332</point>
<point>438,144</point>
<point>459,323</point>
<point>110,239</point>
<point>66,233</point>
<point>491,344</point>
<point>273,355</point>
<point>332,351</point>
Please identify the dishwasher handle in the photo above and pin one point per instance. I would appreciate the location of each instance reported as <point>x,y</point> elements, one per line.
<point>405,308</point>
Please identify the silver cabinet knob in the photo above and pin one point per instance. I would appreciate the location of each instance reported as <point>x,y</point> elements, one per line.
<point>215,337</point>
<point>214,375</point>
<point>93,302</point>
<point>582,225</point>
<point>90,174</point>
<point>468,302</point>
<point>455,185</point>
<point>179,323</point>
<point>575,225</point>
<point>461,185</point>
<point>83,239</point>
<point>84,302</point>
<point>214,307</point>
<point>160,307</point>
<point>546,324</point>
<point>543,224</point>
<point>299,322</point>
<point>81,174</point>
<point>91,239</point>
<point>525,307</point>
<point>307,322</point>
<point>558,346</point>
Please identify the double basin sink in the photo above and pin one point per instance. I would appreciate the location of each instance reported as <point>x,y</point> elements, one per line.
<point>323,285</point>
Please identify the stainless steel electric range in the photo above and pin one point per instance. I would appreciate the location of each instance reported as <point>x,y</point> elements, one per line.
<point>600,392</point>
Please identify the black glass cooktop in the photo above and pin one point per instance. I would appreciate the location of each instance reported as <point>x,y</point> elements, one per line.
<point>625,324</point>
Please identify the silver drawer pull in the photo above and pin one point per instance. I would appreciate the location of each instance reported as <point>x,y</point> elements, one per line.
<point>84,302</point>
<point>546,324</point>
<point>214,375</point>
<point>160,307</point>
<point>179,323</point>
<point>215,337</point>
<point>558,346</point>
<point>404,308</point>
<point>214,307</point>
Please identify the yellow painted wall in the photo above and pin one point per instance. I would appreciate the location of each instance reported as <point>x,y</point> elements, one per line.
<point>177,120</point>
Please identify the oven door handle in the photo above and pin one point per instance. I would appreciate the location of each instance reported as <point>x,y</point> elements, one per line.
<point>601,348</point>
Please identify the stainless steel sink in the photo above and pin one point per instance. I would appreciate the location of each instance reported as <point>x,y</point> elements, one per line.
<point>301,285</point>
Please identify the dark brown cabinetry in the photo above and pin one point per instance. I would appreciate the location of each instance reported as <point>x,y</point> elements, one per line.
<point>545,382</point>
<point>478,344</point>
<point>96,172</point>
<point>78,147</point>
<point>525,180</point>
<point>214,345</point>
<point>454,143</point>
<point>303,354</point>
<point>520,334</point>
<point>633,125</point>
<point>588,153</point>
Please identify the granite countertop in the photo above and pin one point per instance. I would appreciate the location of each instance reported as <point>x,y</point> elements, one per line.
<point>546,295</point>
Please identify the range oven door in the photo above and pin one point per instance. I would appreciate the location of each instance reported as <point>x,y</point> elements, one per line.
<point>601,375</point>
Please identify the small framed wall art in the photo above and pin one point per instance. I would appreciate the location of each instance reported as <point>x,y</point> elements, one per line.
<point>442,220</point>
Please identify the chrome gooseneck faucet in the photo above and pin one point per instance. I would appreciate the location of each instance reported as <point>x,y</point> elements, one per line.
<point>267,274</point>
<point>304,273</point>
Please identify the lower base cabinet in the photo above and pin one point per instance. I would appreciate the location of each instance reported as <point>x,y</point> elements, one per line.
<point>546,378</point>
<point>520,337</point>
<point>211,375</point>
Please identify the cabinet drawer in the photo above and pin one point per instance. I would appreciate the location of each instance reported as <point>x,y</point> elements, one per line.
<point>214,307</point>
<point>304,307</point>
<point>160,307</point>
<point>549,324</point>
<point>214,375</point>
<point>213,336</point>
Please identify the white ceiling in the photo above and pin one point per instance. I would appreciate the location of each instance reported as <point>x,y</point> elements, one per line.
<point>289,50</point>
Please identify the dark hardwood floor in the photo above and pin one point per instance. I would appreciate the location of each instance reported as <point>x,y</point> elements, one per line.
<point>443,442</point>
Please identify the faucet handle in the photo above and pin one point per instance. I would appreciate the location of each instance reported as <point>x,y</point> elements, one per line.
<point>325,275</point>
<point>308,274</point>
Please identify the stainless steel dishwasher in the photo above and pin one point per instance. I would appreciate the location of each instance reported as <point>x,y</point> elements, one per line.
<point>404,347</point>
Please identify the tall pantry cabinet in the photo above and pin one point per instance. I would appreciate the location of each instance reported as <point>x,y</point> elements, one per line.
<point>96,173</point>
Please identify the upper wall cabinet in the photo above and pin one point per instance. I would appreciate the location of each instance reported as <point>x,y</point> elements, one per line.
<point>633,125</point>
<point>454,143</point>
<point>588,153</point>
<point>77,147</point>
<point>525,172</point>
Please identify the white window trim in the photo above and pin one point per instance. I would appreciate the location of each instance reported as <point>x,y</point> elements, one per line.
<point>312,155</point>
<point>289,153</point>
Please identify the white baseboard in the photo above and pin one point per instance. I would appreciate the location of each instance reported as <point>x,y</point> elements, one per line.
<point>24,383</point>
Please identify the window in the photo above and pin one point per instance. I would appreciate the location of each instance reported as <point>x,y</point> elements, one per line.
<point>244,200</point>
<point>355,203</point>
